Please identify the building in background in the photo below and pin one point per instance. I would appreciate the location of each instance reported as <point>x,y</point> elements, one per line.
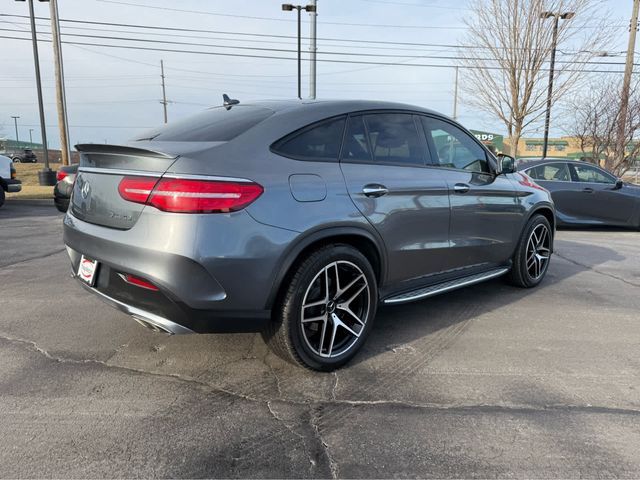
<point>566,147</point>
<point>8,145</point>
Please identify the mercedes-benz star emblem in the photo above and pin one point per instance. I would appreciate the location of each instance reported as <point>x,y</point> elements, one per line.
<point>85,190</point>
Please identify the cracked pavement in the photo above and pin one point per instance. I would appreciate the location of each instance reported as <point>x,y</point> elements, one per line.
<point>489,381</point>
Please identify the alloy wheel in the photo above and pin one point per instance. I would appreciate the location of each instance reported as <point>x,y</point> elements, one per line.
<point>335,309</point>
<point>538,251</point>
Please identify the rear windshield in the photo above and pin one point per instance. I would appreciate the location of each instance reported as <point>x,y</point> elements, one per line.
<point>213,125</point>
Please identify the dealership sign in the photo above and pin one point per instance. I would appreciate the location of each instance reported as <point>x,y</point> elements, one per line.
<point>489,138</point>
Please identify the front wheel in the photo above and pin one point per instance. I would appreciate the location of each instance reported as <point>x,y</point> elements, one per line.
<point>327,310</point>
<point>532,256</point>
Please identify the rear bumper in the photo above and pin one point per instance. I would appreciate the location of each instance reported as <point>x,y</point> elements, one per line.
<point>147,319</point>
<point>214,272</point>
<point>14,186</point>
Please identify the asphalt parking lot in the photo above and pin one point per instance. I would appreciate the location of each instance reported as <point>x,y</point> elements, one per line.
<point>488,381</point>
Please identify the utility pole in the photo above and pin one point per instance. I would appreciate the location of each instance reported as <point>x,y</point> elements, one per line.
<point>164,95</point>
<point>313,36</point>
<point>556,19</point>
<point>626,82</point>
<point>15,121</point>
<point>61,101</point>
<point>455,96</point>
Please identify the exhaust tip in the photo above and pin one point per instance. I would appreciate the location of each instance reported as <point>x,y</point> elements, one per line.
<point>151,326</point>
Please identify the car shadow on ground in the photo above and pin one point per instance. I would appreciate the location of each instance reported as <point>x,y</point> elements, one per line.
<point>397,326</point>
<point>17,208</point>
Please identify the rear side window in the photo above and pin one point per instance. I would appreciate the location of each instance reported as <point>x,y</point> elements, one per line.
<point>213,125</point>
<point>320,141</point>
<point>558,172</point>
<point>356,145</point>
<point>394,139</point>
<point>385,138</point>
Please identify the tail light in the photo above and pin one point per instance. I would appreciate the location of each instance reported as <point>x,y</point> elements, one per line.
<point>12,171</point>
<point>189,196</point>
<point>61,175</point>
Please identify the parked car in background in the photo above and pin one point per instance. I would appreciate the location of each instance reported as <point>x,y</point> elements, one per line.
<point>297,219</point>
<point>65,177</point>
<point>8,180</point>
<point>26,156</point>
<point>585,194</point>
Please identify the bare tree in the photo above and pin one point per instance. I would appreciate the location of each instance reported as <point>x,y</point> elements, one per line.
<point>506,51</point>
<point>595,116</point>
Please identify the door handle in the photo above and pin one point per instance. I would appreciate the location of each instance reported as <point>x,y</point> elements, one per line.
<point>587,190</point>
<point>374,190</point>
<point>461,188</point>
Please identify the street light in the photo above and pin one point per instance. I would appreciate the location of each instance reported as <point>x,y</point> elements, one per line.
<point>288,7</point>
<point>15,121</point>
<point>556,18</point>
<point>45,176</point>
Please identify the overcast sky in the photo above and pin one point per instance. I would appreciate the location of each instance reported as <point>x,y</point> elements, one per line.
<point>113,93</point>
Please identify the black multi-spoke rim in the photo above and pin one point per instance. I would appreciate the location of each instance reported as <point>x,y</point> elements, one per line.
<point>538,251</point>
<point>335,309</point>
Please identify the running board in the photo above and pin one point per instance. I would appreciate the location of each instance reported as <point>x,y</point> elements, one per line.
<point>445,287</point>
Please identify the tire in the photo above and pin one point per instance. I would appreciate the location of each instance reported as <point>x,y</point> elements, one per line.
<point>62,207</point>
<point>1,196</point>
<point>324,343</point>
<point>17,160</point>
<point>533,254</point>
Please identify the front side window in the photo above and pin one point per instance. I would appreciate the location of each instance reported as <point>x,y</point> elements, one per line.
<point>589,174</point>
<point>318,142</point>
<point>550,172</point>
<point>453,147</point>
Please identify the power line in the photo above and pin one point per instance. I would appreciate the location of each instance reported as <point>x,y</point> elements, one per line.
<point>324,60</point>
<point>260,35</point>
<point>202,12</point>
<point>426,5</point>
<point>366,44</point>
<point>281,50</point>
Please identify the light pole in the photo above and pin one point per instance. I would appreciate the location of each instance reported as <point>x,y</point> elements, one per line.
<point>556,18</point>
<point>31,136</point>
<point>15,121</point>
<point>46,176</point>
<point>288,7</point>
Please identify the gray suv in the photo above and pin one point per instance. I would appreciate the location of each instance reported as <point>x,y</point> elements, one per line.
<point>297,219</point>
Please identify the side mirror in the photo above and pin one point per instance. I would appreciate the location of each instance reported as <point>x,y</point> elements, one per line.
<point>619,184</point>
<point>506,164</point>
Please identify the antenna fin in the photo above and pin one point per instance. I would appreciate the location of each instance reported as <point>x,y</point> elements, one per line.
<point>229,102</point>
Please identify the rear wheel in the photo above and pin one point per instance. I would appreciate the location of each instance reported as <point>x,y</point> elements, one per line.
<point>531,260</point>
<point>327,311</point>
